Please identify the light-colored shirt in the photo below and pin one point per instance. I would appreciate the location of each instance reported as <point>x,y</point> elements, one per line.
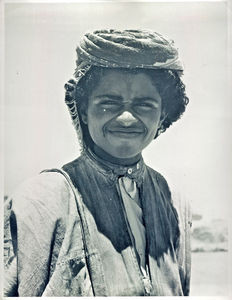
<point>132,204</point>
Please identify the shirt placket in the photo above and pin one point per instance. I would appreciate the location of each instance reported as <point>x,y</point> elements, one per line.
<point>143,273</point>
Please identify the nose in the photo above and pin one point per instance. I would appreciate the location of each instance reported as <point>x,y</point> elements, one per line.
<point>126,119</point>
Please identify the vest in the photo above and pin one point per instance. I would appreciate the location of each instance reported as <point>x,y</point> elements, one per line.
<point>103,260</point>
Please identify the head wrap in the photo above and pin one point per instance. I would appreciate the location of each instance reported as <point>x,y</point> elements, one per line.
<point>120,49</point>
<point>127,49</point>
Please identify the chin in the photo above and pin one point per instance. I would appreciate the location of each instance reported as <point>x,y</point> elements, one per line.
<point>125,154</point>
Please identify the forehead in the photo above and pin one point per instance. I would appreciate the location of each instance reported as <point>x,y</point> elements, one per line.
<point>125,81</point>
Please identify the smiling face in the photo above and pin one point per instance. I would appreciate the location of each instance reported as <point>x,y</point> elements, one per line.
<point>123,113</point>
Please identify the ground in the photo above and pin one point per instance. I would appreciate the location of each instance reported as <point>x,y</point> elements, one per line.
<point>210,274</point>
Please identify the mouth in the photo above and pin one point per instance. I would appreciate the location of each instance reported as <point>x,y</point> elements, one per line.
<point>126,132</point>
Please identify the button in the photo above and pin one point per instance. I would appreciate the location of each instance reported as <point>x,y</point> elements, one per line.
<point>137,166</point>
<point>129,171</point>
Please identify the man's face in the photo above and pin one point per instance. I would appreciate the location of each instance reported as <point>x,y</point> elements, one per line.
<point>123,113</point>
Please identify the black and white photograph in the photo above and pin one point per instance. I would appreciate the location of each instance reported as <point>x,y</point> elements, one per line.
<point>117,165</point>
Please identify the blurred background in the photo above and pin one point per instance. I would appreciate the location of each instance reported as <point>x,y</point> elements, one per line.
<point>194,155</point>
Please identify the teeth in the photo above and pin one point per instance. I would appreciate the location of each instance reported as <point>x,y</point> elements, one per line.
<point>126,118</point>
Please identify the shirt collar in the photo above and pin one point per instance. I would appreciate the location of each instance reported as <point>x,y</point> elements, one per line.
<point>114,171</point>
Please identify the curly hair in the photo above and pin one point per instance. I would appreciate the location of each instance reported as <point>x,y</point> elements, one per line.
<point>168,83</point>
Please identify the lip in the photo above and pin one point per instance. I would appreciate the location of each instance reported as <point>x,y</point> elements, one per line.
<point>126,129</point>
<point>126,132</point>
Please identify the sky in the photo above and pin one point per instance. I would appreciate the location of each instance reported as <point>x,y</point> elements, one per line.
<point>194,155</point>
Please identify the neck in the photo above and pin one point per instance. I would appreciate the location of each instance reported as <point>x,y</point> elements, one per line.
<point>115,160</point>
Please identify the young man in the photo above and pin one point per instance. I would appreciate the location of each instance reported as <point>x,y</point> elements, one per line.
<point>105,224</point>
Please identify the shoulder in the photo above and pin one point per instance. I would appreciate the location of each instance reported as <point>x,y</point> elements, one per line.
<point>162,182</point>
<point>35,222</point>
<point>183,207</point>
<point>47,193</point>
<point>175,194</point>
<point>156,174</point>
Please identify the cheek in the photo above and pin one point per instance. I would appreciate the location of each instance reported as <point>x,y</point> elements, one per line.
<point>98,117</point>
<point>152,120</point>
<point>152,125</point>
<point>96,122</point>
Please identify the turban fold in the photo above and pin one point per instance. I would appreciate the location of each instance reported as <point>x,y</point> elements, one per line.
<point>120,49</point>
<point>127,49</point>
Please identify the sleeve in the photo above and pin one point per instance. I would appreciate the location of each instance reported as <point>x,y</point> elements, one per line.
<point>10,260</point>
<point>31,218</point>
<point>184,249</point>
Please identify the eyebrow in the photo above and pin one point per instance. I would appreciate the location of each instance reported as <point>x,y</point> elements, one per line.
<point>114,97</point>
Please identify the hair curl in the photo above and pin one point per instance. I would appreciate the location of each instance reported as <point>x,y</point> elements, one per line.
<point>168,83</point>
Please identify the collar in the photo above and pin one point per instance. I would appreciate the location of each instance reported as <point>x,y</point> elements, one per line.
<point>114,171</point>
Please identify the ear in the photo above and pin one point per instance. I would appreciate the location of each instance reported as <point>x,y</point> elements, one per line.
<point>83,114</point>
<point>162,118</point>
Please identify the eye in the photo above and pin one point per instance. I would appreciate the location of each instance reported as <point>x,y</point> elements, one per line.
<point>146,106</point>
<point>109,104</point>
